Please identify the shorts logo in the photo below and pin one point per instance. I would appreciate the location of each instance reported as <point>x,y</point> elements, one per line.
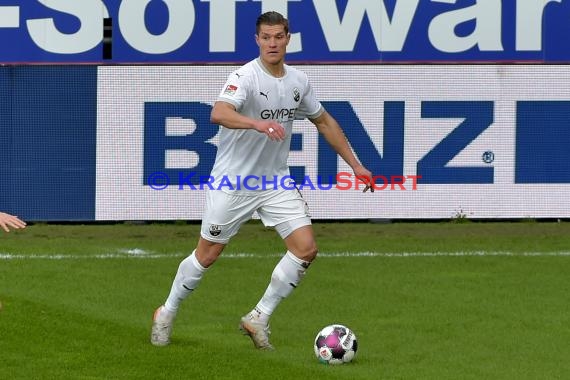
<point>296,94</point>
<point>215,229</point>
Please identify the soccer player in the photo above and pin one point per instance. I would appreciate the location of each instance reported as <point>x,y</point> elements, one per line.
<point>256,108</point>
<point>8,221</point>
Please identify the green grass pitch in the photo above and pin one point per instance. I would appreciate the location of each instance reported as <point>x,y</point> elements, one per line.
<point>426,300</point>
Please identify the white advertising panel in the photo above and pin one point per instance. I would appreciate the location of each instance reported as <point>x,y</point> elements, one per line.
<point>488,141</point>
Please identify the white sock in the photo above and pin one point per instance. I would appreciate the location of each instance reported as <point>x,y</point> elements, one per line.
<point>189,274</point>
<point>285,277</point>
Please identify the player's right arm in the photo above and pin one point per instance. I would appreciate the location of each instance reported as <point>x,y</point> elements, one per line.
<point>226,115</point>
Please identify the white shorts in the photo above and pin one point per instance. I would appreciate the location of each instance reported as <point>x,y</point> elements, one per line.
<point>225,213</point>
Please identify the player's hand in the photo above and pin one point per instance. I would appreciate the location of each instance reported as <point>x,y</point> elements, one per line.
<point>273,130</point>
<point>8,221</point>
<point>365,176</point>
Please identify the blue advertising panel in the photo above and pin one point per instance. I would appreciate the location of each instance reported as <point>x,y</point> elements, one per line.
<point>324,31</point>
<point>5,138</point>
<point>48,142</point>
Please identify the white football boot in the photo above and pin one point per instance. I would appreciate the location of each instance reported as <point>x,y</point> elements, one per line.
<point>161,327</point>
<point>257,331</point>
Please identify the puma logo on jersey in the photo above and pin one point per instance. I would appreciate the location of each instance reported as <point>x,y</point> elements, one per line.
<point>263,94</point>
<point>238,75</point>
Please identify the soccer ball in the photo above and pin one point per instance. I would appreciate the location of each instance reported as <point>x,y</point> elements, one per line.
<point>335,344</point>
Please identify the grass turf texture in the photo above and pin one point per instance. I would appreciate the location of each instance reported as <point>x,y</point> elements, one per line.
<point>484,309</point>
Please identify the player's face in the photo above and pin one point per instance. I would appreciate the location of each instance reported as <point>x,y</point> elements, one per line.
<point>272,41</point>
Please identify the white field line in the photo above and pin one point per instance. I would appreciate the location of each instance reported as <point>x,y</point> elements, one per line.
<point>142,254</point>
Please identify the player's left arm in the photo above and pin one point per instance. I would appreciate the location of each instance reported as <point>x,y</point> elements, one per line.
<point>8,221</point>
<point>332,132</point>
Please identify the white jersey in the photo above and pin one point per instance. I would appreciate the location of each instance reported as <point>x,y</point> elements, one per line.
<point>247,154</point>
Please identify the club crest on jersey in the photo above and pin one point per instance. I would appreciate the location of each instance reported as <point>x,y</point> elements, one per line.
<point>230,90</point>
<point>215,229</point>
<point>296,94</point>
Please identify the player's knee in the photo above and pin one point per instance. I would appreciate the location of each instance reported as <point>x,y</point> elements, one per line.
<point>207,259</point>
<point>309,252</point>
<point>208,254</point>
